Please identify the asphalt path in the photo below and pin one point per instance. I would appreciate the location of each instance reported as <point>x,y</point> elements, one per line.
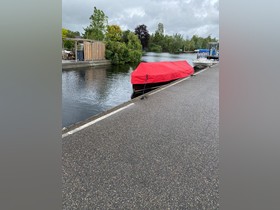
<point>157,153</point>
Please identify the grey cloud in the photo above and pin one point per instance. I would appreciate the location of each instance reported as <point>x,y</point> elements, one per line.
<point>187,17</point>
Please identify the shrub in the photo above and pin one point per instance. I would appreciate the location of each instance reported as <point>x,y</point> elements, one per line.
<point>155,48</point>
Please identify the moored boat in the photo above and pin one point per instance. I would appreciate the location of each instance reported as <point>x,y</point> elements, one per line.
<point>150,75</point>
<point>207,57</point>
<point>204,62</point>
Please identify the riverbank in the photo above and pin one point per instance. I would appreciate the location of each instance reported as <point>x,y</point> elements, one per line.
<point>70,64</point>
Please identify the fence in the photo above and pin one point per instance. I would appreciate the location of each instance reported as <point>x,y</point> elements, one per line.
<point>94,51</point>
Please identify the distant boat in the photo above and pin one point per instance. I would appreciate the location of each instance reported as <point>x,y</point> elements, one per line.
<point>207,57</point>
<point>150,75</point>
<point>204,62</point>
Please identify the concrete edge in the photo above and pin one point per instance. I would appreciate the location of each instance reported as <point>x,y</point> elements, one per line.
<point>81,64</point>
<point>70,128</point>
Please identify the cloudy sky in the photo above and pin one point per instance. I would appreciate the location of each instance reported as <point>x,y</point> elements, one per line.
<point>187,17</point>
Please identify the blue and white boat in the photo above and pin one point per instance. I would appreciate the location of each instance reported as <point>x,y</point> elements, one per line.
<point>207,57</point>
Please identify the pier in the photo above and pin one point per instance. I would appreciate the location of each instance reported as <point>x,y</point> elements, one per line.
<point>154,152</point>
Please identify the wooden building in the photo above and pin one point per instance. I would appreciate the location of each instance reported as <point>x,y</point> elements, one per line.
<point>92,50</point>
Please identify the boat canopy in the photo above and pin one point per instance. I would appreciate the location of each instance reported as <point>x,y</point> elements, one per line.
<point>203,50</point>
<point>164,71</point>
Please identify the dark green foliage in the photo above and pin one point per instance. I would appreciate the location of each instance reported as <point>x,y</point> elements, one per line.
<point>125,36</point>
<point>143,34</point>
<point>121,52</point>
<point>69,45</point>
<point>155,48</point>
<point>117,52</point>
<point>158,42</point>
<point>134,56</point>
<point>177,43</point>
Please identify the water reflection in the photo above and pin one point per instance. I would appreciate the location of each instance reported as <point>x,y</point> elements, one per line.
<point>89,91</point>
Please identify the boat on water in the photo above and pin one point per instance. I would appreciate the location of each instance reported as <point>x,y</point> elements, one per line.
<point>204,62</point>
<point>207,57</point>
<point>150,75</point>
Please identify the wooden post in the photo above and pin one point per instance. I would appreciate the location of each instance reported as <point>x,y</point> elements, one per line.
<point>92,49</point>
<point>76,51</point>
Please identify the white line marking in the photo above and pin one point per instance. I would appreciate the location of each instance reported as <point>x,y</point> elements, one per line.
<point>178,81</point>
<point>169,86</point>
<point>95,121</point>
<point>201,71</point>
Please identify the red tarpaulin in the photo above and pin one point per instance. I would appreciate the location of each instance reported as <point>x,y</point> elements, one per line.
<point>154,72</point>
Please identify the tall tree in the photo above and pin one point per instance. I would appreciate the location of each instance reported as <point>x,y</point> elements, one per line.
<point>143,34</point>
<point>177,43</point>
<point>97,28</point>
<point>160,29</point>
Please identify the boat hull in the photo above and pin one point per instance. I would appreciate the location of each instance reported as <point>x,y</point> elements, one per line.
<point>200,63</point>
<point>140,89</point>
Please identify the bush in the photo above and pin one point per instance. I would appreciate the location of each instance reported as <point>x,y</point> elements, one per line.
<point>155,48</point>
<point>134,56</point>
<point>121,53</point>
<point>117,52</point>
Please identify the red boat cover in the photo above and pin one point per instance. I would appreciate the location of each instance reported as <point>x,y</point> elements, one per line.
<point>154,72</point>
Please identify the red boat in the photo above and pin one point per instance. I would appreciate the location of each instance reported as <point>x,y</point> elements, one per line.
<point>148,76</point>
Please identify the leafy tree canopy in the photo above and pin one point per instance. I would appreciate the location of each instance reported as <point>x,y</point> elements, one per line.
<point>126,49</point>
<point>98,25</point>
<point>66,33</point>
<point>133,42</point>
<point>114,33</point>
<point>143,34</point>
<point>125,36</point>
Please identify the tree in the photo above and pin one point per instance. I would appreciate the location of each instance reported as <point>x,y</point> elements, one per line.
<point>114,33</point>
<point>97,28</point>
<point>121,52</point>
<point>160,29</point>
<point>133,42</point>
<point>155,48</point>
<point>177,43</point>
<point>191,45</point>
<point>117,52</point>
<point>64,33</point>
<point>134,48</point>
<point>69,45</point>
<point>125,36</point>
<point>143,34</point>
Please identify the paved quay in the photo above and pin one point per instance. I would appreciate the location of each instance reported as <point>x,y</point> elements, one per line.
<point>157,153</point>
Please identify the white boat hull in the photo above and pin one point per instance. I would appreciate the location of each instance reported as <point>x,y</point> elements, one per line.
<point>204,62</point>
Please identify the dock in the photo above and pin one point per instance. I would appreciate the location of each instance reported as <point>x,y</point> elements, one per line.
<point>70,64</point>
<point>154,152</point>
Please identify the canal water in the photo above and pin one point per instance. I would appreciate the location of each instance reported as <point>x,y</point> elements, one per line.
<point>92,90</point>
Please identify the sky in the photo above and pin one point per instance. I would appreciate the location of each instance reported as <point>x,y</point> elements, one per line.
<point>186,17</point>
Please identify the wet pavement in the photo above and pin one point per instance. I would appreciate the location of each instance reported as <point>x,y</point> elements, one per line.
<point>158,153</point>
